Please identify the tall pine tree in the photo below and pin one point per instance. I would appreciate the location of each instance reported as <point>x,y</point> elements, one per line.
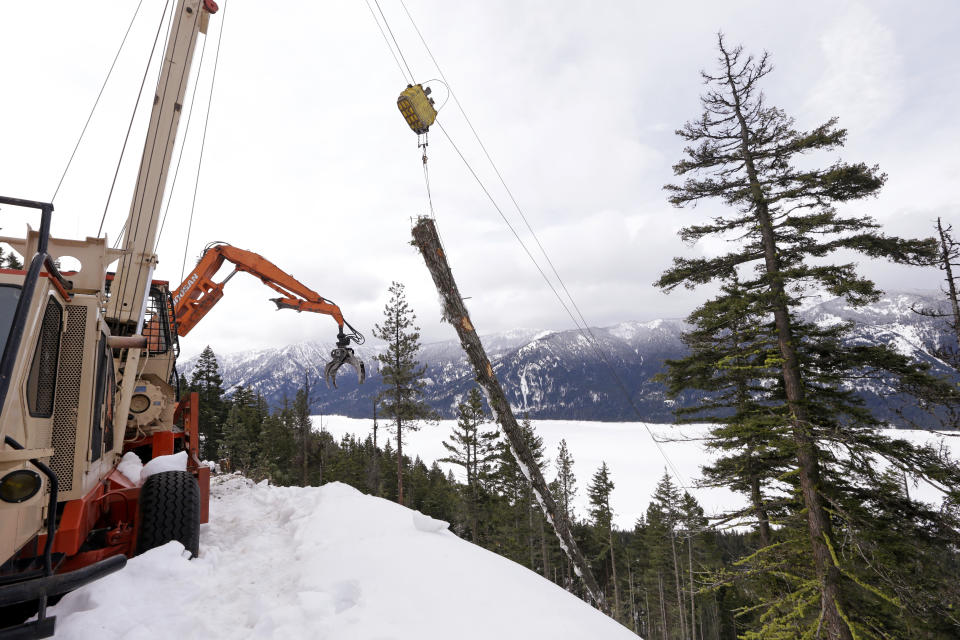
<point>601,514</point>
<point>208,383</point>
<point>519,520</point>
<point>10,260</point>
<point>303,425</point>
<point>784,227</point>
<point>566,482</point>
<point>471,449</point>
<point>241,431</point>
<point>402,375</point>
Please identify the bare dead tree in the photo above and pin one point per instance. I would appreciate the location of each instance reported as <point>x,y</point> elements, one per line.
<point>948,259</point>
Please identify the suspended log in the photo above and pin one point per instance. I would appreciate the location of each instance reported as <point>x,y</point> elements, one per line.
<point>455,312</point>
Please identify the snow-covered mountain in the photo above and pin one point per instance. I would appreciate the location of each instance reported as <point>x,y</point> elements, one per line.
<point>559,374</point>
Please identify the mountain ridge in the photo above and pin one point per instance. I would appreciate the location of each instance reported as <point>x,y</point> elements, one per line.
<point>559,374</point>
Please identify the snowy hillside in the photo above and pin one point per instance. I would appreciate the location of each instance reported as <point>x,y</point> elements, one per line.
<point>558,374</point>
<point>325,563</point>
<point>331,563</point>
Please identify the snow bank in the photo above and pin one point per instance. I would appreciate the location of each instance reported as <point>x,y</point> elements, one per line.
<point>173,462</point>
<point>425,523</point>
<point>131,466</point>
<point>324,563</point>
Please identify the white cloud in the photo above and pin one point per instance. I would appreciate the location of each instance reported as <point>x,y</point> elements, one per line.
<point>308,162</point>
<point>862,82</point>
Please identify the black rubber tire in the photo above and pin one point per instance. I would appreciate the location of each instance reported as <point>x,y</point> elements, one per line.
<point>169,510</point>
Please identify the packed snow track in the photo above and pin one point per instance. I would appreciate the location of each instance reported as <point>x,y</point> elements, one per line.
<point>324,563</point>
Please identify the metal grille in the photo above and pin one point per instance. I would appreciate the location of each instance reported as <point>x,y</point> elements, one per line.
<point>43,372</point>
<point>172,326</point>
<point>159,323</point>
<point>65,404</point>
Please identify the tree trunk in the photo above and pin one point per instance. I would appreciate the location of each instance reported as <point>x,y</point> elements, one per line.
<point>543,550</point>
<point>518,537</point>
<point>681,609</point>
<point>472,480</point>
<point>763,519</point>
<point>663,606</point>
<point>716,619</point>
<point>951,285</point>
<point>304,477</point>
<point>454,311</point>
<point>647,614</point>
<point>303,470</point>
<point>398,408</point>
<point>375,470</point>
<point>818,524</point>
<point>693,611</point>
<point>321,454</point>
<point>399,462</point>
<point>613,572</point>
<point>756,498</point>
<point>530,545</point>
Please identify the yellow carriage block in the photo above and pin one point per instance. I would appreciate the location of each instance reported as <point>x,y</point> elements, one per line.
<point>417,108</point>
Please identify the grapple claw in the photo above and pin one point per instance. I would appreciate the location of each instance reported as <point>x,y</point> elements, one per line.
<point>339,357</point>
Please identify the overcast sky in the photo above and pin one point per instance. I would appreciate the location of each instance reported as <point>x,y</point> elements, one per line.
<point>308,162</point>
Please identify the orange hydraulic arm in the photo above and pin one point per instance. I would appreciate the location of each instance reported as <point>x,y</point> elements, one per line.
<point>197,295</point>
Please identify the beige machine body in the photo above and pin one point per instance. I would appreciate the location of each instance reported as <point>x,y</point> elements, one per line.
<point>87,351</point>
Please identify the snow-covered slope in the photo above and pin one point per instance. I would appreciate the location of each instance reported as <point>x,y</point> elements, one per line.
<point>324,563</point>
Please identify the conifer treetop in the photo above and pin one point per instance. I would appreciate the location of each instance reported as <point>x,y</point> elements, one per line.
<point>745,153</point>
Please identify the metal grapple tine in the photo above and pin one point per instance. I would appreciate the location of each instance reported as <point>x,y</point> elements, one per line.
<point>358,365</point>
<point>339,357</point>
<point>330,373</point>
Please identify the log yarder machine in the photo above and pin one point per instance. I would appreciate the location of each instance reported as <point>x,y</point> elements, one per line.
<point>88,373</point>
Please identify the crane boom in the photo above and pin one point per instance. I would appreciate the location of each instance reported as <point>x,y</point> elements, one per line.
<point>127,304</point>
<point>198,294</point>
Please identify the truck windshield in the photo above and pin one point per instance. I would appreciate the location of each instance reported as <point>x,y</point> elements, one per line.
<point>9,296</point>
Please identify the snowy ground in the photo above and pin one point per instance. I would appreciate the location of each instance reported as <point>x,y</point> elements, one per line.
<point>324,563</point>
<point>330,563</point>
<point>635,461</point>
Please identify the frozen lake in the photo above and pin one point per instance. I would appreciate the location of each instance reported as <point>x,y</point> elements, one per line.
<point>629,449</point>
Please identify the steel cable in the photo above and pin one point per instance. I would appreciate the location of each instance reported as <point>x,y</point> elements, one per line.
<point>581,324</point>
<point>96,102</point>
<point>203,141</point>
<point>126,138</point>
<point>183,145</point>
<point>179,81</point>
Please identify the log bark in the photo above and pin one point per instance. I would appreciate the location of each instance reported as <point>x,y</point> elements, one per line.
<point>425,238</point>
